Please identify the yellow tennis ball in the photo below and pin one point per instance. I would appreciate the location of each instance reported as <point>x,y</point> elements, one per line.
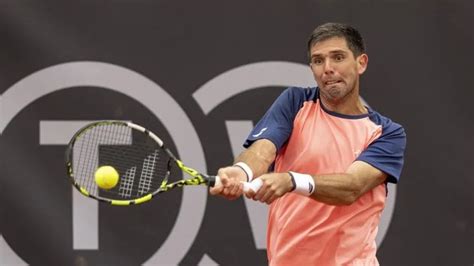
<point>106,177</point>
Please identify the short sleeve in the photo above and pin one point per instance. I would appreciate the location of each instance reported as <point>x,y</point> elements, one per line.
<point>387,152</point>
<point>277,123</point>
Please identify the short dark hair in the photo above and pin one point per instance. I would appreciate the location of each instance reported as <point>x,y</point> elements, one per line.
<point>329,30</point>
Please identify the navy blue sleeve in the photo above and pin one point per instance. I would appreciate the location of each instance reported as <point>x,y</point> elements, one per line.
<point>387,152</point>
<point>277,123</point>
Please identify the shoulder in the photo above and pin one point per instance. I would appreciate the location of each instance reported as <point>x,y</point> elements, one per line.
<point>296,96</point>
<point>389,127</point>
<point>386,152</point>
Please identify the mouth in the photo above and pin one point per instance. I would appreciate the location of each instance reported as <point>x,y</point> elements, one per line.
<point>332,82</point>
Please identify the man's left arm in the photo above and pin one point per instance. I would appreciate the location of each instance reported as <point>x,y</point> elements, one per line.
<point>346,188</point>
<point>333,189</point>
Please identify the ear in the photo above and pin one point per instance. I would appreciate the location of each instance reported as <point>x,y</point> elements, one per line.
<point>362,61</point>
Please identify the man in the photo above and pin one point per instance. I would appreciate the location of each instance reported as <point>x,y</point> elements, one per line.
<point>331,158</point>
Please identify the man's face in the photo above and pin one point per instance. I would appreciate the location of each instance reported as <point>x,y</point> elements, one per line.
<point>335,68</point>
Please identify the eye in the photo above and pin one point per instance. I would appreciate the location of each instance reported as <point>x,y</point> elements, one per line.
<point>339,57</point>
<point>317,61</point>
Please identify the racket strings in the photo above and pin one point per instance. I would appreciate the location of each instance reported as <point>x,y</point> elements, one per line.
<point>126,182</point>
<point>146,176</point>
<point>142,165</point>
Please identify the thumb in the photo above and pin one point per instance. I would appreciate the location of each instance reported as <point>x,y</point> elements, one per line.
<point>216,190</point>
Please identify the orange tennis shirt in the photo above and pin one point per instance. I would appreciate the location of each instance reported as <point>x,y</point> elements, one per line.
<point>313,140</point>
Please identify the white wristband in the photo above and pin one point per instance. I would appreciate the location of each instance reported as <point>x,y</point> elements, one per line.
<point>303,184</point>
<point>246,169</point>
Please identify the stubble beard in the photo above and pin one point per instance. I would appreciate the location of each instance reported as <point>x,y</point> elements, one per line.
<point>336,93</point>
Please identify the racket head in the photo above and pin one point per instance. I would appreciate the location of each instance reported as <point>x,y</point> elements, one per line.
<point>143,164</point>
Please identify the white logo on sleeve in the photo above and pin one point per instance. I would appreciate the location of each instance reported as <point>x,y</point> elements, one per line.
<point>259,133</point>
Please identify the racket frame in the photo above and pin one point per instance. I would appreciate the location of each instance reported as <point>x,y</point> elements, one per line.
<point>197,177</point>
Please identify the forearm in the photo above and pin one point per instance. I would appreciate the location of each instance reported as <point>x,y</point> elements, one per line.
<point>346,188</point>
<point>336,189</point>
<point>259,156</point>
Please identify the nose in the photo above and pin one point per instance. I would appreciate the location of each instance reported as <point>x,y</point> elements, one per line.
<point>327,67</point>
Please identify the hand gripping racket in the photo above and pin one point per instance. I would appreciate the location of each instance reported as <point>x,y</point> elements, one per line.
<point>143,163</point>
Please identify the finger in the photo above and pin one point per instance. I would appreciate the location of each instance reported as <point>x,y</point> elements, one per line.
<point>216,190</point>
<point>260,193</point>
<point>226,192</point>
<point>267,195</point>
<point>271,199</point>
<point>231,190</point>
<point>234,189</point>
<point>250,194</point>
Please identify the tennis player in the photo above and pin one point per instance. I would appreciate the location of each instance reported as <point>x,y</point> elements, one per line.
<point>324,159</point>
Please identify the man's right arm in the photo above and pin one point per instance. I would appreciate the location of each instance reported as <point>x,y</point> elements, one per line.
<point>258,157</point>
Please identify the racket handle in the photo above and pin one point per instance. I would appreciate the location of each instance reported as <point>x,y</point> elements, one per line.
<point>255,185</point>
<point>215,181</point>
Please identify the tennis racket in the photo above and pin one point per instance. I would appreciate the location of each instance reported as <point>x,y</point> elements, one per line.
<point>143,164</point>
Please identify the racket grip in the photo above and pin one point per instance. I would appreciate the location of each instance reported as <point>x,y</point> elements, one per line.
<point>255,185</point>
<point>214,181</point>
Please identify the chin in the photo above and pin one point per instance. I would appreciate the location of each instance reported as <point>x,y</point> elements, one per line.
<point>334,93</point>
